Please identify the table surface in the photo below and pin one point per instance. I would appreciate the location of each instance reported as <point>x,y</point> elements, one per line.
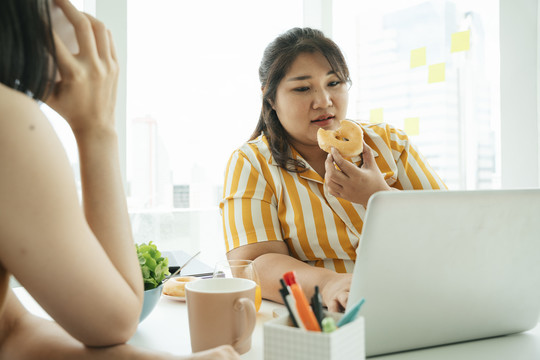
<point>167,329</point>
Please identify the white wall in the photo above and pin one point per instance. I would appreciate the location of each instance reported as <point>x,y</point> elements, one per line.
<point>520,74</point>
<point>318,15</point>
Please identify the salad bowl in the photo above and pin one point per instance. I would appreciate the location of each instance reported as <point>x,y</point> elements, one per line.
<point>151,298</point>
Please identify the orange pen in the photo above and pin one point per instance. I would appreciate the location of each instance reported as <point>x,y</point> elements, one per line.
<point>305,312</point>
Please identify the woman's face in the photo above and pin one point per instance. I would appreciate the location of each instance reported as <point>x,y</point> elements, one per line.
<point>310,96</point>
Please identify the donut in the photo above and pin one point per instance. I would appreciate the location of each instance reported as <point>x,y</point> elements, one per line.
<point>347,139</point>
<point>177,285</point>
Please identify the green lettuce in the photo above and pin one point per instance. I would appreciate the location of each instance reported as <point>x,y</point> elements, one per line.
<point>154,267</point>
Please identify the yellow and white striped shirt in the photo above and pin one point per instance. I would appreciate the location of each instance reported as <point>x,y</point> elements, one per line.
<point>264,202</point>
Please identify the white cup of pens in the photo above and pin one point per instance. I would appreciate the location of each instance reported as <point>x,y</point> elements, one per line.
<point>309,315</point>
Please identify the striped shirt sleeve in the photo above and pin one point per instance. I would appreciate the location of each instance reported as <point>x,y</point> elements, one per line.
<point>412,166</point>
<point>412,170</point>
<point>249,205</point>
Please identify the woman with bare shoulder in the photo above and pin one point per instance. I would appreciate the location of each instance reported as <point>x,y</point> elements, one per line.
<point>48,241</point>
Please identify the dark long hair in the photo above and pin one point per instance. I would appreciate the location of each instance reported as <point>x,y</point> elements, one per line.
<point>277,60</point>
<point>27,52</point>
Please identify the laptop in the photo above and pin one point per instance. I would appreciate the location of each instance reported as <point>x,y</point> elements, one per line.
<point>440,267</point>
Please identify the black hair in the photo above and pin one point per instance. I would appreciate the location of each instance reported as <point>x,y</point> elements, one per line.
<point>277,60</point>
<point>27,52</point>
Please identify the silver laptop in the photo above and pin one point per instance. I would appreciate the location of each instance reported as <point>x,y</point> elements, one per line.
<point>439,267</point>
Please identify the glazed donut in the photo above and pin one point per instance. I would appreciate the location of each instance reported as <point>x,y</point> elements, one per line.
<point>348,139</point>
<point>177,285</point>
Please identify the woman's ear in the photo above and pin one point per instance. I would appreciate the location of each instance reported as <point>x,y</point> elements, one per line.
<point>269,101</point>
<point>272,104</point>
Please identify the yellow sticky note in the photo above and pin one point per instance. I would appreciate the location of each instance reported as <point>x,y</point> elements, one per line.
<point>436,73</point>
<point>418,57</point>
<point>461,41</point>
<point>412,126</point>
<point>376,116</point>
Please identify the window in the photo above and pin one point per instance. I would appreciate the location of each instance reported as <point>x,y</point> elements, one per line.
<point>193,97</point>
<point>193,94</point>
<point>431,68</point>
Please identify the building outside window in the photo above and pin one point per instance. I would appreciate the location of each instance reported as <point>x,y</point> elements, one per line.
<point>431,68</point>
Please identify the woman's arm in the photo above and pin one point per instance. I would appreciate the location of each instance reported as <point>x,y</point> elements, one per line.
<point>81,267</point>
<point>252,191</point>
<point>86,97</point>
<point>272,260</point>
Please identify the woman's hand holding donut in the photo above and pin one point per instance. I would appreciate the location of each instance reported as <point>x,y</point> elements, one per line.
<point>352,183</point>
<point>86,93</point>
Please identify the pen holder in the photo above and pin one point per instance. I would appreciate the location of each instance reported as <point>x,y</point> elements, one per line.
<point>283,341</point>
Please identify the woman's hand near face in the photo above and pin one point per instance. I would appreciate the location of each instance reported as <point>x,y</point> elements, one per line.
<point>353,183</point>
<point>86,93</point>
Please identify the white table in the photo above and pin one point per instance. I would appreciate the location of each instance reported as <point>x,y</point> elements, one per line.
<point>166,329</point>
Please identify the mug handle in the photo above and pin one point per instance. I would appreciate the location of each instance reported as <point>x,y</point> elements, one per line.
<point>246,328</point>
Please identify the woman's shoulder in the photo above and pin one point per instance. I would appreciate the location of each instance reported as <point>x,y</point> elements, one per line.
<point>255,151</point>
<point>24,129</point>
<point>16,109</point>
<point>379,127</point>
<point>11,99</point>
<point>378,133</point>
<point>256,146</point>
<point>382,130</point>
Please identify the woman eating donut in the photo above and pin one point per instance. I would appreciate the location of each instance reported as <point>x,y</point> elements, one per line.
<point>290,205</point>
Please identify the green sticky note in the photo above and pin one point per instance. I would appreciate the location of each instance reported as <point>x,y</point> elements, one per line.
<point>376,116</point>
<point>418,57</point>
<point>461,41</point>
<point>436,73</point>
<point>412,126</point>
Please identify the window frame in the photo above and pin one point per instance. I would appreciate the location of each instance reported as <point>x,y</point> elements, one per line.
<point>520,95</point>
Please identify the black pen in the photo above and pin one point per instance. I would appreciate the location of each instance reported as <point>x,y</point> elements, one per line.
<point>316,305</point>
